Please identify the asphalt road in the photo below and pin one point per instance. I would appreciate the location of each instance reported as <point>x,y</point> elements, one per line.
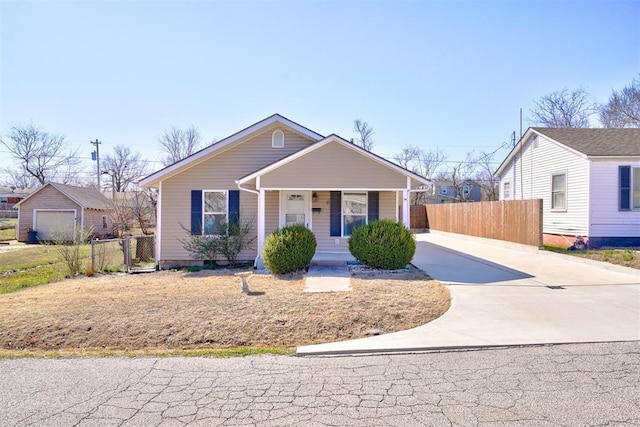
<point>567,385</point>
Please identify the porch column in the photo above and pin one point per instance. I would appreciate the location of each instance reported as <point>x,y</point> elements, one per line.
<point>405,204</point>
<point>261,221</point>
<point>405,208</point>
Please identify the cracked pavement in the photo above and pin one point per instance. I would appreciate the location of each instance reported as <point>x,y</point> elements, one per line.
<point>567,385</point>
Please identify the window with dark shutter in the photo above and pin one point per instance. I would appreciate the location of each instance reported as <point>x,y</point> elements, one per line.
<point>373,205</point>
<point>624,173</point>
<point>335,214</point>
<point>196,211</point>
<point>234,206</point>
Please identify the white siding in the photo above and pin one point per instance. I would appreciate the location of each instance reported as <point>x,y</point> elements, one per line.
<point>605,218</point>
<point>530,175</point>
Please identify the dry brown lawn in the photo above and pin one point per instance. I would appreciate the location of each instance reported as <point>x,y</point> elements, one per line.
<point>183,310</point>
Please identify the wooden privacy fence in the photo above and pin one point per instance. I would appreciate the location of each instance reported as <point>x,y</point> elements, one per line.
<point>518,221</point>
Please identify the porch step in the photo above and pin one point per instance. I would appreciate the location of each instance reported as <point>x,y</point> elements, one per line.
<point>328,262</point>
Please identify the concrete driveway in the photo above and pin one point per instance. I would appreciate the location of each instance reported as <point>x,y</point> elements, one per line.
<point>504,295</point>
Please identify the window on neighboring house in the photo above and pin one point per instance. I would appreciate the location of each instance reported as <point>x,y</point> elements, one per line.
<point>104,221</point>
<point>214,212</point>
<point>506,190</point>
<point>465,189</point>
<point>443,190</point>
<point>629,185</point>
<point>277,139</point>
<point>354,211</point>
<point>559,191</point>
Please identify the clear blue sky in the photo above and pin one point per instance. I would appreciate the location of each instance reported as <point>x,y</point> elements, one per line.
<point>442,74</point>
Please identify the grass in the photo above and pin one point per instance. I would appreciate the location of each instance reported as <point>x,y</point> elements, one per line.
<point>7,229</point>
<point>208,352</point>
<point>30,266</point>
<point>36,265</point>
<point>624,257</point>
<point>206,314</point>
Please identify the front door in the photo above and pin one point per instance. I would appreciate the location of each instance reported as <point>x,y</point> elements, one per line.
<point>295,207</point>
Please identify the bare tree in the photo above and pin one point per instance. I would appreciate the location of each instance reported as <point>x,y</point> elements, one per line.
<point>486,176</point>
<point>623,108</point>
<point>422,162</point>
<point>409,157</point>
<point>124,167</point>
<point>41,155</point>
<point>565,109</point>
<point>143,210</point>
<point>430,162</point>
<point>364,132</point>
<point>179,143</point>
<point>462,174</point>
<point>19,178</point>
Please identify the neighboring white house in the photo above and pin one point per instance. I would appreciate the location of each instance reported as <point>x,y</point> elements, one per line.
<point>588,179</point>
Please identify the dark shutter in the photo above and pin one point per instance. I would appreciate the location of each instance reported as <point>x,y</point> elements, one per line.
<point>234,206</point>
<point>196,211</point>
<point>625,187</point>
<point>373,205</point>
<point>335,214</point>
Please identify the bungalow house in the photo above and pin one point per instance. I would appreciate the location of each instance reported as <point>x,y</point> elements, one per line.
<point>588,179</point>
<point>55,210</point>
<point>277,172</point>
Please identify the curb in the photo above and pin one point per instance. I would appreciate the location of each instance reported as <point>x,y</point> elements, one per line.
<point>444,349</point>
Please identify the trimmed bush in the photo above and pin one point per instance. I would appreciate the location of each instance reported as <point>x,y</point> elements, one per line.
<point>383,244</point>
<point>289,249</point>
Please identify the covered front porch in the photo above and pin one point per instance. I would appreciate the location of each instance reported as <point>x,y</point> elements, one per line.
<point>331,187</point>
<point>330,214</point>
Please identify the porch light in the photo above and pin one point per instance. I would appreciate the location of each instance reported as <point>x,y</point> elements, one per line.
<point>314,197</point>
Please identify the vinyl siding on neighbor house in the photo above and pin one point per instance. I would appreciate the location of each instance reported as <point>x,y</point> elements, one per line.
<point>218,172</point>
<point>606,219</point>
<point>335,167</point>
<point>530,175</point>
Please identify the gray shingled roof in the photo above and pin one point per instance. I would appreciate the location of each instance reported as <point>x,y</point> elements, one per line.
<point>597,141</point>
<point>88,197</point>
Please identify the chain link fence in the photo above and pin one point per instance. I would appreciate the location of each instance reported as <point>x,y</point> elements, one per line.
<point>131,254</point>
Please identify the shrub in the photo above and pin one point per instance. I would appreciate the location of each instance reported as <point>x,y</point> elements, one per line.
<point>383,244</point>
<point>289,249</point>
<point>69,251</point>
<point>628,255</point>
<point>234,238</point>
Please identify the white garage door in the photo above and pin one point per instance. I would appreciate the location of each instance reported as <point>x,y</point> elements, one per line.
<point>52,225</point>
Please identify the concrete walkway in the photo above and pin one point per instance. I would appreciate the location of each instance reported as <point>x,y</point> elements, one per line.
<point>502,296</point>
<point>328,278</point>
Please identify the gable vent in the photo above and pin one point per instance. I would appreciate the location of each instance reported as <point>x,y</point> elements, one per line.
<point>277,139</point>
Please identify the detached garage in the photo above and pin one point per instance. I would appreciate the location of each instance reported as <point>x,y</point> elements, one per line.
<point>55,210</point>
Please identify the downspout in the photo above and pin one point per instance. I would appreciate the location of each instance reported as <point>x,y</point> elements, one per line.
<point>256,192</point>
<point>158,236</point>
<point>249,190</point>
<point>75,231</point>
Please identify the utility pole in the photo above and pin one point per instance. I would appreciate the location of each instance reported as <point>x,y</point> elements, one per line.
<point>96,156</point>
